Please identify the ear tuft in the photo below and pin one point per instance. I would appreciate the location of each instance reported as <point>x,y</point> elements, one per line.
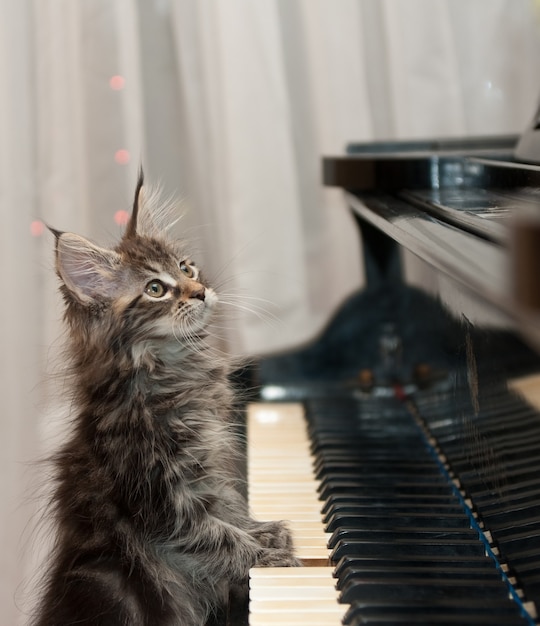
<point>55,232</point>
<point>151,215</point>
<point>86,270</point>
<point>131,229</point>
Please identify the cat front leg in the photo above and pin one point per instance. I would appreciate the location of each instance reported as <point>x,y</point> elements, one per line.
<point>274,534</point>
<point>277,540</point>
<point>270,534</point>
<point>273,557</point>
<point>220,548</point>
<point>274,548</point>
<point>273,537</point>
<point>226,551</point>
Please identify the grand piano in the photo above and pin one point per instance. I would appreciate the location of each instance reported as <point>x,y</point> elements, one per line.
<point>421,399</point>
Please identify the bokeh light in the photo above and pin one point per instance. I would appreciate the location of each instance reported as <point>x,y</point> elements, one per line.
<point>122,156</point>
<point>121,217</point>
<point>117,82</point>
<point>37,228</point>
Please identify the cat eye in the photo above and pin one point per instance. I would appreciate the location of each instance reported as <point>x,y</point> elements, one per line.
<point>155,289</point>
<point>188,270</point>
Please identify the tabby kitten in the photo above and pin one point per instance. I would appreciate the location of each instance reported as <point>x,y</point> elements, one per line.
<point>150,528</point>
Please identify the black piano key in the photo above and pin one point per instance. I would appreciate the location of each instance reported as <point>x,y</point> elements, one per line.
<point>523,562</point>
<point>359,615</point>
<point>508,476</point>
<point>511,466</point>
<point>507,461</point>
<point>468,609</point>
<point>474,562</point>
<point>530,582</point>
<point>360,467</point>
<point>464,463</point>
<point>419,591</point>
<point>382,499</point>
<point>391,470</point>
<point>387,477</point>
<point>411,548</point>
<point>334,441</point>
<point>526,526</point>
<point>368,466</point>
<point>508,522</point>
<point>360,457</point>
<point>359,442</point>
<point>464,618</point>
<point>381,488</point>
<point>392,509</point>
<point>437,404</point>
<point>498,503</point>
<point>436,571</point>
<point>492,423</point>
<point>495,419</point>
<point>399,534</point>
<point>410,520</point>
<point>519,543</point>
<point>500,434</point>
<point>529,450</point>
<point>506,493</point>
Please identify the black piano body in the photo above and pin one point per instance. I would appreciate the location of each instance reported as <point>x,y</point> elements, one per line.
<point>430,366</point>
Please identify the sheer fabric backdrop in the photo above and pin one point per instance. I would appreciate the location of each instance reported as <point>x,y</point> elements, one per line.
<point>229,105</point>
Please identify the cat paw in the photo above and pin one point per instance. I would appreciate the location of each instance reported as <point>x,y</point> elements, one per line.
<point>277,558</point>
<point>273,535</point>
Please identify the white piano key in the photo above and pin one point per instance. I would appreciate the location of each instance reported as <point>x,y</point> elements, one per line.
<point>282,486</point>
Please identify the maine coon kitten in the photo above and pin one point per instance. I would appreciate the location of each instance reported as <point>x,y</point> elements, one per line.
<point>151,530</point>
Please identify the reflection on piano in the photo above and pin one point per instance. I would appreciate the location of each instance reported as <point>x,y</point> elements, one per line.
<point>419,404</point>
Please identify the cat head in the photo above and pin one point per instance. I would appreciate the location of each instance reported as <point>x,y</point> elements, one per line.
<point>147,283</point>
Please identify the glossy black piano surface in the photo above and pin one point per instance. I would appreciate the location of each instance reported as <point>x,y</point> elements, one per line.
<point>428,456</point>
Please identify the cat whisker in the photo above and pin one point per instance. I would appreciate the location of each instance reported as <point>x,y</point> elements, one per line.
<point>235,294</point>
<point>256,302</point>
<point>261,314</point>
<point>188,338</point>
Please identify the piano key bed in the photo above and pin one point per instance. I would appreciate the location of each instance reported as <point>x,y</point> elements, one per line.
<point>397,510</point>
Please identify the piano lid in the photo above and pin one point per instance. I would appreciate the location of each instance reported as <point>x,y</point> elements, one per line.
<point>437,163</point>
<point>474,183</point>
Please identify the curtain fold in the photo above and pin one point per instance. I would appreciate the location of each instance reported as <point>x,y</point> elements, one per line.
<point>229,106</point>
<point>19,320</point>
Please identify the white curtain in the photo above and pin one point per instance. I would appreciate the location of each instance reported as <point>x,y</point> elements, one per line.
<point>229,105</point>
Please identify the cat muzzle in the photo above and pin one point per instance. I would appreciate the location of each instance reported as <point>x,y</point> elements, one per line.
<point>198,294</point>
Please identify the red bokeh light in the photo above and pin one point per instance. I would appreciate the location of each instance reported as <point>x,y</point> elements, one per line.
<point>117,82</point>
<point>122,156</point>
<point>37,228</point>
<point>121,217</point>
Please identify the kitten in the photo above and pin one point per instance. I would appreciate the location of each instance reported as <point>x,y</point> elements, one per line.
<point>150,528</point>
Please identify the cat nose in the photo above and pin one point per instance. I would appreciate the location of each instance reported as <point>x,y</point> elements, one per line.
<point>198,294</point>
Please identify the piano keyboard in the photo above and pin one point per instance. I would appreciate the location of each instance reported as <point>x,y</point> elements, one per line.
<point>296,596</point>
<point>281,485</point>
<point>404,547</point>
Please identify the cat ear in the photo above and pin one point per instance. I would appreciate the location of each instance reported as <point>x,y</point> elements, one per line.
<point>86,269</point>
<point>131,229</point>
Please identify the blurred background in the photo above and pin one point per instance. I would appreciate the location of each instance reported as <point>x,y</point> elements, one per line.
<point>229,104</point>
